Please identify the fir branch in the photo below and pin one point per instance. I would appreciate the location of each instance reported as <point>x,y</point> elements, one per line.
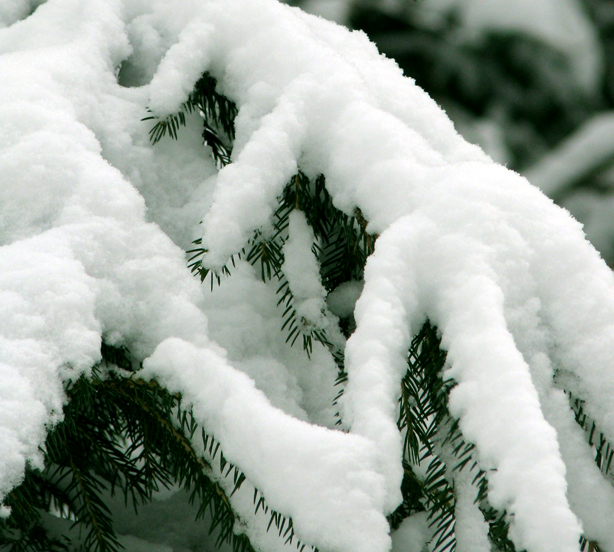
<point>87,455</point>
<point>197,269</point>
<point>498,528</point>
<point>94,513</point>
<point>23,531</point>
<point>604,450</point>
<point>602,447</point>
<point>413,497</point>
<point>218,114</point>
<point>588,545</point>
<point>129,435</point>
<point>265,251</point>
<point>429,430</point>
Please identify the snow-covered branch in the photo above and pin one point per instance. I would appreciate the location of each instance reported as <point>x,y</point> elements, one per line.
<point>93,220</point>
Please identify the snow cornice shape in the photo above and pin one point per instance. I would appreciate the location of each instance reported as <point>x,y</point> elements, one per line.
<point>509,279</point>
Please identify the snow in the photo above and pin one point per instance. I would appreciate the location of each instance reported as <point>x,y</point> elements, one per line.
<point>471,530</point>
<point>305,471</point>
<point>94,221</point>
<point>255,344</point>
<point>412,535</point>
<point>302,270</point>
<point>342,300</point>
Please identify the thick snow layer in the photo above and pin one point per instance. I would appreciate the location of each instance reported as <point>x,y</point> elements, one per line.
<point>298,465</point>
<point>302,270</point>
<point>93,220</point>
<point>413,534</point>
<point>243,318</point>
<point>471,530</point>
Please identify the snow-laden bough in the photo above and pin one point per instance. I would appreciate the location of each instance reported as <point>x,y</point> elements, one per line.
<point>93,221</point>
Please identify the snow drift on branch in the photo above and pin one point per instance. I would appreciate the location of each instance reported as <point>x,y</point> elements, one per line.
<point>507,276</point>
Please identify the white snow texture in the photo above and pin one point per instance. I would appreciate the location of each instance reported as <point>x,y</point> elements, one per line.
<point>94,221</point>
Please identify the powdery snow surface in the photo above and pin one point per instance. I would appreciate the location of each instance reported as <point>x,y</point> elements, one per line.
<point>93,219</point>
<point>412,535</point>
<point>302,271</point>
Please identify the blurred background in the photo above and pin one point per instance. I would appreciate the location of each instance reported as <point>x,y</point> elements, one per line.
<point>530,81</point>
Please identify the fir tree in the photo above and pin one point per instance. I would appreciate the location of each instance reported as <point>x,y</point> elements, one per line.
<point>128,435</point>
<point>121,434</point>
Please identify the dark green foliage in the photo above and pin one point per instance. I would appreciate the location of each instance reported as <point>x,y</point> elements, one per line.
<point>342,245</point>
<point>423,393</point>
<point>413,497</point>
<point>423,415</point>
<point>342,242</point>
<point>128,436</point>
<point>523,83</point>
<point>121,435</point>
<point>23,531</point>
<point>218,114</point>
<point>498,529</point>
<point>432,436</point>
<point>588,545</point>
<point>604,451</point>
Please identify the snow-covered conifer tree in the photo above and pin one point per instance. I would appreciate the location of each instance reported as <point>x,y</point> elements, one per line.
<point>243,255</point>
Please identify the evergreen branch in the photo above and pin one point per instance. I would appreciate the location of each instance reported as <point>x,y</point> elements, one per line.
<point>101,536</point>
<point>221,152</point>
<point>498,528</point>
<point>413,497</point>
<point>23,530</point>
<point>86,454</point>
<point>588,545</point>
<point>217,112</point>
<point>266,253</point>
<point>107,420</point>
<point>428,429</point>
<point>422,419</point>
<point>196,471</point>
<point>604,450</point>
<point>197,269</point>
